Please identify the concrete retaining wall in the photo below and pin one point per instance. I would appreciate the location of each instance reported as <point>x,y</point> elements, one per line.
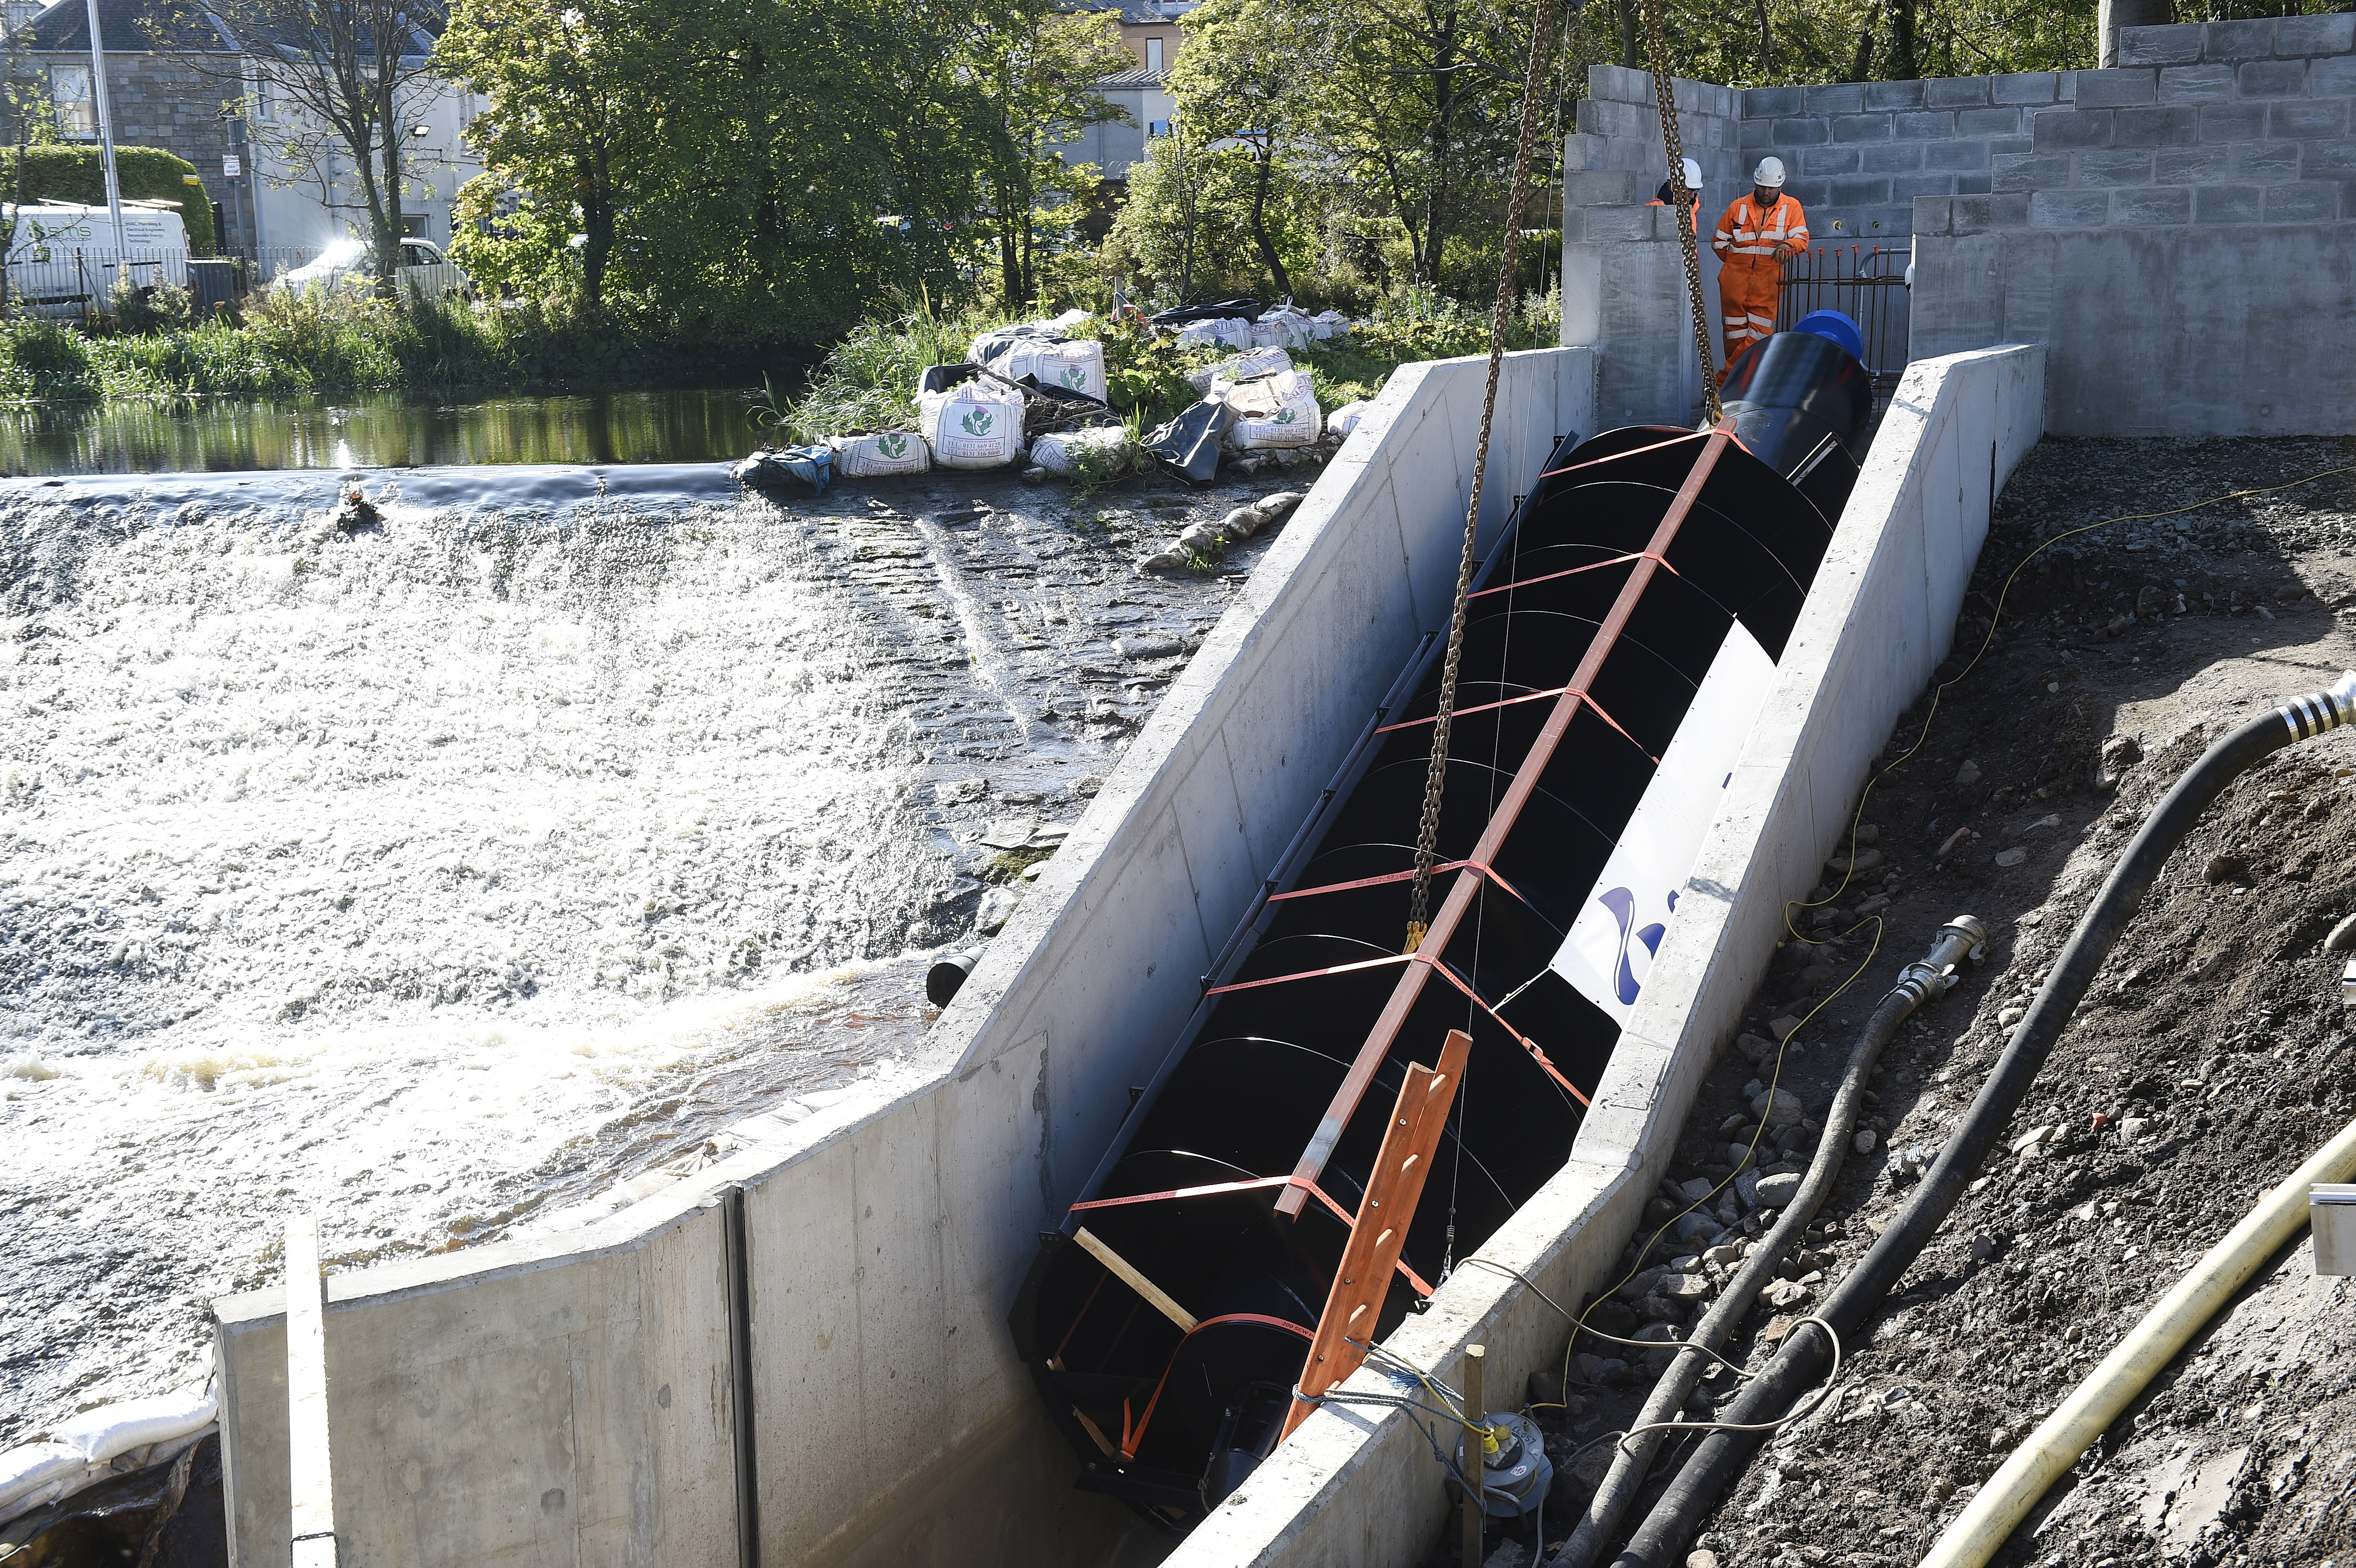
<point>1358,1487</point>
<point>555,1404</point>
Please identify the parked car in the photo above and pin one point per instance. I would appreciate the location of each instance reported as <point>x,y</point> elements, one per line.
<point>423,267</point>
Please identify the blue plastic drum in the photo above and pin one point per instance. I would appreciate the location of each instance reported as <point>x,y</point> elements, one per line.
<point>1836,326</point>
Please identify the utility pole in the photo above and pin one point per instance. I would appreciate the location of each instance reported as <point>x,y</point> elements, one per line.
<point>106,138</point>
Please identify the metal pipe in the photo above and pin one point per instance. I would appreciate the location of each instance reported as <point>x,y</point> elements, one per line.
<point>106,138</point>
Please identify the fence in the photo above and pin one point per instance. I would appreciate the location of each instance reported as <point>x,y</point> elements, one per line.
<point>1865,283</point>
<point>52,280</point>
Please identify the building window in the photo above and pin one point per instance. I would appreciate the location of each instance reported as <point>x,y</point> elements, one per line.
<point>1157,127</point>
<point>1154,55</point>
<point>77,108</point>
<point>263,97</point>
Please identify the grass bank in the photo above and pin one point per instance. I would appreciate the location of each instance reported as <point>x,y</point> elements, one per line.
<point>283,342</point>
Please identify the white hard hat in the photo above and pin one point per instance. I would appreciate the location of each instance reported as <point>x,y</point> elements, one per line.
<point>1693,173</point>
<point>1770,173</point>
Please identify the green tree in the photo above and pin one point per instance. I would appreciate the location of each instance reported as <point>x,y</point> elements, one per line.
<point>1243,79</point>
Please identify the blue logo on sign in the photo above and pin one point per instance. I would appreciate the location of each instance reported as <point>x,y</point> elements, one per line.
<point>1622,905</point>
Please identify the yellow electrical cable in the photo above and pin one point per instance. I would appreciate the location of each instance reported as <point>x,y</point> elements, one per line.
<point>2000,1505</point>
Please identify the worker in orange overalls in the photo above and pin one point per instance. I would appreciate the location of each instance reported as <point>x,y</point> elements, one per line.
<point>1758,231</point>
<point>1662,196</point>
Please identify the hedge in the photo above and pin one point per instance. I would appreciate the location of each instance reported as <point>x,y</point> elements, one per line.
<point>78,173</point>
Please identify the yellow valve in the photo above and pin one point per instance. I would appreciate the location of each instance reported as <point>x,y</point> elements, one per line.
<point>1490,1442</point>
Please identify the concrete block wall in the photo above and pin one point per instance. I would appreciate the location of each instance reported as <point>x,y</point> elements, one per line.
<point>1623,265</point>
<point>1358,1486</point>
<point>559,1402</point>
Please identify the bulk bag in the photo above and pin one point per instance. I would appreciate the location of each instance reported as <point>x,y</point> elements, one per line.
<point>883,453</point>
<point>1104,444</point>
<point>975,424</point>
<point>1275,410</point>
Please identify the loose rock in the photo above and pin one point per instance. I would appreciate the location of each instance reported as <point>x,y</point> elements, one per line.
<point>1775,1191</point>
<point>2012,857</point>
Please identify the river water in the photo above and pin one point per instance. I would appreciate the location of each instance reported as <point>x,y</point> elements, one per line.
<point>436,876</point>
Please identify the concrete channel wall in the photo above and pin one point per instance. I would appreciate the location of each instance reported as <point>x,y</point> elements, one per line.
<point>573,1401</point>
<point>1357,1488</point>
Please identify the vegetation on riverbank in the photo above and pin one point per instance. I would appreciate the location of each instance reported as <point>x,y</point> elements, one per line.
<point>285,343</point>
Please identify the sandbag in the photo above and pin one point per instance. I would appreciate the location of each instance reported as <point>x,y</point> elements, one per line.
<point>885,453</point>
<point>113,1430</point>
<point>1298,331</point>
<point>1234,332</point>
<point>1276,411</point>
<point>786,468</point>
<point>1103,443</point>
<point>1345,420</point>
<point>1077,366</point>
<point>976,424</point>
<point>1188,446</point>
<point>1242,367</point>
<point>31,1470</point>
<point>1330,323</point>
<point>1199,335</point>
<point>1267,334</point>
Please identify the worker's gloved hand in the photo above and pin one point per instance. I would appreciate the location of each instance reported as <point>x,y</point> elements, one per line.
<point>1783,252</point>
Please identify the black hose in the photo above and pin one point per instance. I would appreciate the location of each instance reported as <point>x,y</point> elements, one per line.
<point>1722,1454</point>
<point>1925,979</point>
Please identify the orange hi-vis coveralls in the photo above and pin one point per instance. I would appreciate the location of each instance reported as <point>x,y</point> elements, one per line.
<point>1751,277</point>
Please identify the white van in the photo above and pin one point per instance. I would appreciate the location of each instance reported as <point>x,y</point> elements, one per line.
<point>62,259</point>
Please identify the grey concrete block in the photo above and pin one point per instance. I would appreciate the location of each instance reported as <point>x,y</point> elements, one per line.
<point>2239,40</point>
<point>2334,78</point>
<point>2068,130</point>
<point>2306,37</point>
<point>2190,165</point>
<point>1769,103</point>
<point>1988,122</point>
<point>1955,91</point>
<point>2306,201</point>
<point>1603,187</point>
<point>2170,125</point>
<point>1828,160</point>
<point>1933,215</point>
<point>2109,88</point>
<point>2160,45</point>
<point>2112,166</point>
<point>1893,95</point>
<point>2032,171</point>
<point>2025,87</point>
<point>1861,127</point>
<point>1619,83</point>
<point>2152,205</point>
<point>1925,125</point>
<point>2069,208</point>
<point>1893,158</point>
<point>1837,98</point>
<point>2232,121</point>
<point>1860,193</point>
<point>1983,214</point>
<point>1955,155</point>
<point>1808,193</point>
<point>2271,78</point>
<point>1907,189</point>
<point>1998,145</point>
<point>2227,204</point>
<point>1802,132</point>
<point>2305,119</point>
<point>2196,83</point>
<point>2263,163</point>
<point>2329,160</point>
<point>1973,184</point>
<point>1758,134</point>
<point>1606,224</point>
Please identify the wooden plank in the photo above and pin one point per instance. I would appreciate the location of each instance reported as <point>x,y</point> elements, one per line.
<point>1377,1235</point>
<point>1493,837</point>
<point>311,1480</point>
<point>1155,1296</point>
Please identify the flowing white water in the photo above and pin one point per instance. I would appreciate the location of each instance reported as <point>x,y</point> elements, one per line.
<point>358,874</point>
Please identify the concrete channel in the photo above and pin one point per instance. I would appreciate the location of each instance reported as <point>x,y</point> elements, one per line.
<point>799,1356</point>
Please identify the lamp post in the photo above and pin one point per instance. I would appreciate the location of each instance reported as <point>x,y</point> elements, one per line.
<point>106,137</point>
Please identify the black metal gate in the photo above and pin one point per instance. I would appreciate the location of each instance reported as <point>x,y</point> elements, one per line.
<point>1865,283</point>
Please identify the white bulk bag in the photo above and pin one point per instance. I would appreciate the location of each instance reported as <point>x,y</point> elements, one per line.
<point>1242,367</point>
<point>29,1471</point>
<point>1294,327</point>
<point>975,424</point>
<point>1275,410</point>
<point>1199,335</point>
<point>1266,334</point>
<point>1054,452</point>
<point>887,451</point>
<point>1330,323</point>
<point>1235,332</point>
<point>1077,365</point>
<point>111,1430</point>
<point>1345,420</point>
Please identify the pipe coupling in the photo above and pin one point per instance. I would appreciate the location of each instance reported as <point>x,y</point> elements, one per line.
<point>1934,975</point>
<point>2318,711</point>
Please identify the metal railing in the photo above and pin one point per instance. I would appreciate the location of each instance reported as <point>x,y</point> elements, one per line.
<point>54,281</point>
<point>1864,283</point>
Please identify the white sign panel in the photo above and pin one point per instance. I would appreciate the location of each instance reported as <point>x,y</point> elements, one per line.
<point>1619,928</point>
<point>230,167</point>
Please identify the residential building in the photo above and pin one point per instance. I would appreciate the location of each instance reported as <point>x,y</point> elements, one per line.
<point>1150,27</point>
<point>282,184</point>
<point>1114,146</point>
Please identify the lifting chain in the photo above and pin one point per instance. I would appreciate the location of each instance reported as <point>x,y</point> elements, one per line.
<point>1664,95</point>
<point>1428,829</point>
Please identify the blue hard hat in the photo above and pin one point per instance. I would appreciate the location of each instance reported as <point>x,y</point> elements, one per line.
<point>1836,327</point>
